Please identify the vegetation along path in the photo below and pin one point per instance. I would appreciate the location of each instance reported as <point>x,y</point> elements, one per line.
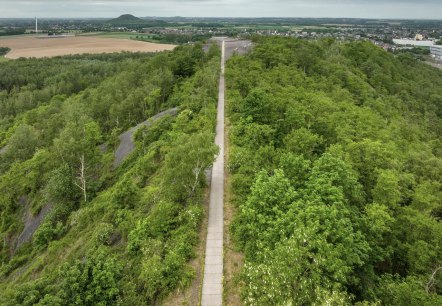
<point>127,144</point>
<point>213,268</point>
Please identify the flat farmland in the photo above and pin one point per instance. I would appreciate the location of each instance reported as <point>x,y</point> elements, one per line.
<point>50,47</point>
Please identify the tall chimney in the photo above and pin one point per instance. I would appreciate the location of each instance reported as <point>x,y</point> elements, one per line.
<point>36,26</point>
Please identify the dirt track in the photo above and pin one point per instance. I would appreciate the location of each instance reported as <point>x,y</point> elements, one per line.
<point>49,47</point>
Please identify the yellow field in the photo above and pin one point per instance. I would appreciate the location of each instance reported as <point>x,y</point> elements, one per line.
<point>49,47</point>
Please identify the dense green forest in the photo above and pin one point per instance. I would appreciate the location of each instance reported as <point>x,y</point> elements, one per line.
<point>335,164</point>
<point>336,169</point>
<point>119,235</point>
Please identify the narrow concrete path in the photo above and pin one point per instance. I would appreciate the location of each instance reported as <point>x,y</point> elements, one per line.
<point>212,294</point>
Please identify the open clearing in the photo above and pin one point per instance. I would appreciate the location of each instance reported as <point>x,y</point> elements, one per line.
<point>49,47</point>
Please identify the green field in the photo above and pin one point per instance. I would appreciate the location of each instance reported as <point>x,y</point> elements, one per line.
<point>15,36</point>
<point>124,35</point>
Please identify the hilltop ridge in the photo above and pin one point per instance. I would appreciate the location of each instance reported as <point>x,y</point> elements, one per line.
<point>127,19</point>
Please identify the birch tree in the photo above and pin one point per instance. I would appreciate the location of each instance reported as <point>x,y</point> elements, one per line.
<point>77,146</point>
<point>183,171</point>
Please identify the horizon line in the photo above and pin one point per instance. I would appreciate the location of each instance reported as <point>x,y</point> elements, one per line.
<point>226,17</point>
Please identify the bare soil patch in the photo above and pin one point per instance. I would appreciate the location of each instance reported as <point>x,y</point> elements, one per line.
<point>50,47</point>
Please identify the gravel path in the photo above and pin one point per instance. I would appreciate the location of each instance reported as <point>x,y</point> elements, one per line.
<point>127,144</point>
<point>32,223</point>
<point>240,47</point>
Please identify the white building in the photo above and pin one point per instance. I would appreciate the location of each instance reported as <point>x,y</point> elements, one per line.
<point>436,51</point>
<point>410,42</point>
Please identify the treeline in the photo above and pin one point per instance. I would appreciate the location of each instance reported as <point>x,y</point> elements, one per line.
<point>4,51</point>
<point>172,38</point>
<point>416,52</point>
<point>12,31</point>
<point>182,38</point>
<point>112,236</point>
<point>212,25</point>
<point>336,172</point>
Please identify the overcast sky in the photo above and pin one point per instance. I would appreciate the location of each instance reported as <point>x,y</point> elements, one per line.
<point>427,9</point>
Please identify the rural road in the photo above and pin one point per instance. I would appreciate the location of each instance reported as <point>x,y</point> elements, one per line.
<point>212,294</point>
<point>127,144</point>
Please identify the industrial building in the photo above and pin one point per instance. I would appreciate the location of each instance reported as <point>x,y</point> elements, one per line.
<point>436,51</point>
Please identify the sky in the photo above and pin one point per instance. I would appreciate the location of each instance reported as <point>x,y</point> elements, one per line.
<point>406,9</point>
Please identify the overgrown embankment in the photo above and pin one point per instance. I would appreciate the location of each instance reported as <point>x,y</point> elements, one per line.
<point>123,235</point>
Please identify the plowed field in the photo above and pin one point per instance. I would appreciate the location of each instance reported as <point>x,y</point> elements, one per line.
<point>49,47</point>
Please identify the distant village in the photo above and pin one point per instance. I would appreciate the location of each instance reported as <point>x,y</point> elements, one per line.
<point>394,36</point>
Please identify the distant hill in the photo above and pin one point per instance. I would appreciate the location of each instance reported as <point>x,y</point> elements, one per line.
<point>126,19</point>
